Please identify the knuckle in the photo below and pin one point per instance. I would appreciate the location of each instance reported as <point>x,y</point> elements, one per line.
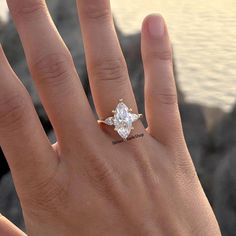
<point>95,13</point>
<point>164,55</point>
<point>110,70</point>
<point>12,111</point>
<point>26,9</point>
<point>167,98</point>
<point>53,69</point>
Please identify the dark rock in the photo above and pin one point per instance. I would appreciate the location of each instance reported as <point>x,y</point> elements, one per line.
<point>213,116</point>
<point>195,131</point>
<point>225,193</point>
<point>198,121</point>
<point>66,20</point>
<point>52,137</point>
<point>11,43</point>
<point>221,140</point>
<point>3,165</point>
<point>224,134</point>
<point>9,203</point>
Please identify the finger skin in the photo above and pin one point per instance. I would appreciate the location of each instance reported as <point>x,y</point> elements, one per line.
<point>22,138</point>
<point>108,74</point>
<point>53,70</point>
<point>8,229</point>
<point>160,91</point>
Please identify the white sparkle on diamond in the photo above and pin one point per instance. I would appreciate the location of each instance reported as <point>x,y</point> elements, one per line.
<point>109,121</point>
<point>123,120</point>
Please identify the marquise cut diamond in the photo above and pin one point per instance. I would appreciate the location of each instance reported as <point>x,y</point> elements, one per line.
<point>123,120</point>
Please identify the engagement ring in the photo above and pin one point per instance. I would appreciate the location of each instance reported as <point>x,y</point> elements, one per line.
<point>122,120</point>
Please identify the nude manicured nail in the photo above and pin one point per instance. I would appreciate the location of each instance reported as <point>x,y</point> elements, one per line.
<point>156,26</point>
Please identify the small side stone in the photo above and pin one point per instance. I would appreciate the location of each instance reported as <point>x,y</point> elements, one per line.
<point>134,117</point>
<point>109,121</point>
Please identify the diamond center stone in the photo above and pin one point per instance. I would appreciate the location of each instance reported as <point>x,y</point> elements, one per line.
<point>122,120</point>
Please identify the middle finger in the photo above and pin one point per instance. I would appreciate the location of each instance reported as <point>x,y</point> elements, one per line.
<point>108,74</point>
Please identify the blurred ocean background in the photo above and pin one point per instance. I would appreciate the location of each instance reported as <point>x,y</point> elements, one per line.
<point>204,38</point>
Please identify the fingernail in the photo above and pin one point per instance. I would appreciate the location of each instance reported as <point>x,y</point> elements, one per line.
<point>156,26</point>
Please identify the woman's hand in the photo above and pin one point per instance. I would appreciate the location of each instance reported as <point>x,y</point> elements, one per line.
<point>84,184</point>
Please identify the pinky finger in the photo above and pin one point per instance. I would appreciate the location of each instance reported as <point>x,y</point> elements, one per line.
<point>9,229</point>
